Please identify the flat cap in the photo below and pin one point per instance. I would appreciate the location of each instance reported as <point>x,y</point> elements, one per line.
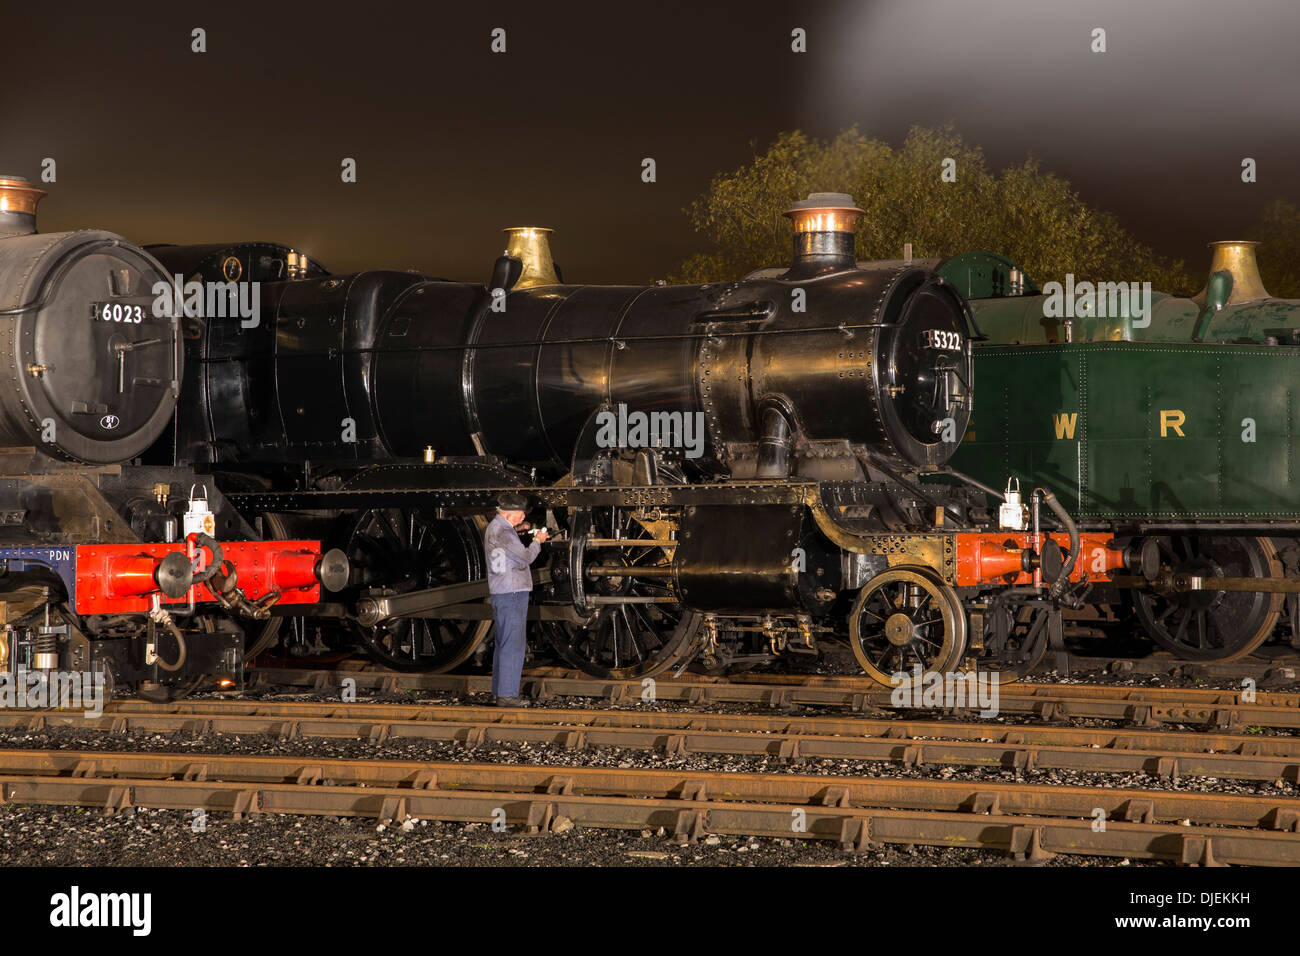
<point>512,502</point>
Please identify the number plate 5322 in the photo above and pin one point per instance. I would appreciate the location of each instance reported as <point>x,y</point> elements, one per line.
<point>941,339</point>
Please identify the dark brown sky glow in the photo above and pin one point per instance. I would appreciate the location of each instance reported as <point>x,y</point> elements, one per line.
<point>454,142</point>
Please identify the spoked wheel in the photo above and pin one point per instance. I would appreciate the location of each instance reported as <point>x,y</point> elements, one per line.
<point>402,550</point>
<point>904,617</point>
<point>646,631</point>
<point>1212,625</point>
<point>624,643</point>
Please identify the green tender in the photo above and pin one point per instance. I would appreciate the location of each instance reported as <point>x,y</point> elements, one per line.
<point>1141,430</point>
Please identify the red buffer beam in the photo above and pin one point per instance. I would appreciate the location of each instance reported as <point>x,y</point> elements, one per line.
<point>123,578</point>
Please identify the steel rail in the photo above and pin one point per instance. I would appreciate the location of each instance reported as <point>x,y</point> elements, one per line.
<point>1166,755</point>
<point>1026,820</point>
<point>1188,695</point>
<point>1281,669</point>
<point>1143,706</point>
<point>886,726</point>
<point>1199,696</point>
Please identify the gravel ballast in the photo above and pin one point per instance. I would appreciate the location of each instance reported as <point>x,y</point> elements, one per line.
<point>67,836</point>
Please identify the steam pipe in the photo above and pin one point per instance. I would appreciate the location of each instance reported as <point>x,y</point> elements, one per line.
<point>1063,516</point>
<point>775,445</point>
<point>987,489</point>
<point>161,617</point>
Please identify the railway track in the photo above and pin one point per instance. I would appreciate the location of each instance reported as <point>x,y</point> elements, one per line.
<point>1029,820</point>
<point>1227,710</point>
<point>907,743</point>
<point>1281,669</point>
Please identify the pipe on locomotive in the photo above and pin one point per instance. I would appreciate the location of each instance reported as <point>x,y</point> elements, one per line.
<point>1059,585</point>
<point>775,445</point>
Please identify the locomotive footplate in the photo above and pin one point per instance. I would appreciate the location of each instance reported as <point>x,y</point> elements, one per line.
<point>933,549</point>
<point>479,500</point>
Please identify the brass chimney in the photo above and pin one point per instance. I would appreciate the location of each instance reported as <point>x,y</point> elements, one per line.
<point>532,245</point>
<point>824,231</point>
<point>1238,260</point>
<point>18,199</point>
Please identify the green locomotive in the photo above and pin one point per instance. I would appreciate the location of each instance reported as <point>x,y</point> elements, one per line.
<point>1169,420</point>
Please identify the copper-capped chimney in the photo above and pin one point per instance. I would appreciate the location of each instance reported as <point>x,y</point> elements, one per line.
<point>532,245</point>
<point>1237,258</point>
<point>824,232</point>
<point>18,199</point>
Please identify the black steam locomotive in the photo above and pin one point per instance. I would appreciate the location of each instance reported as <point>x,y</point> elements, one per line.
<point>112,573</point>
<point>733,468</point>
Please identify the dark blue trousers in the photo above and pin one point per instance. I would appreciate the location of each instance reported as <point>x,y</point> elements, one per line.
<point>510,611</point>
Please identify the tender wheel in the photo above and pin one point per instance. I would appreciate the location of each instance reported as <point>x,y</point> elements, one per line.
<point>904,617</point>
<point>403,551</point>
<point>1212,625</point>
<point>641,636</point>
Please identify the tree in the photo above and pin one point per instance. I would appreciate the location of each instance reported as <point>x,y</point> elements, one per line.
<point>1031,216</point>
<point>1278,234</point>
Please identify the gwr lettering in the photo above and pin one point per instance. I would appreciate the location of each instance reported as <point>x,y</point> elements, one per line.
<point>1171,418</point>
<point>1171,421</point>
<point>1065,424</point>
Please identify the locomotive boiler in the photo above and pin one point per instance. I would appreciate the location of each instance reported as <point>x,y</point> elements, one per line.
<point>734,467</point>
<point>127,575</point>
<point>870,357</point>
<point>92,375</point>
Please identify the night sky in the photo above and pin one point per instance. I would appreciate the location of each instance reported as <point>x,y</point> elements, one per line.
<point>454,142</point>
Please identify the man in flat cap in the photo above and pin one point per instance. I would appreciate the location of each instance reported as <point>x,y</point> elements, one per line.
<point>509,582</point>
